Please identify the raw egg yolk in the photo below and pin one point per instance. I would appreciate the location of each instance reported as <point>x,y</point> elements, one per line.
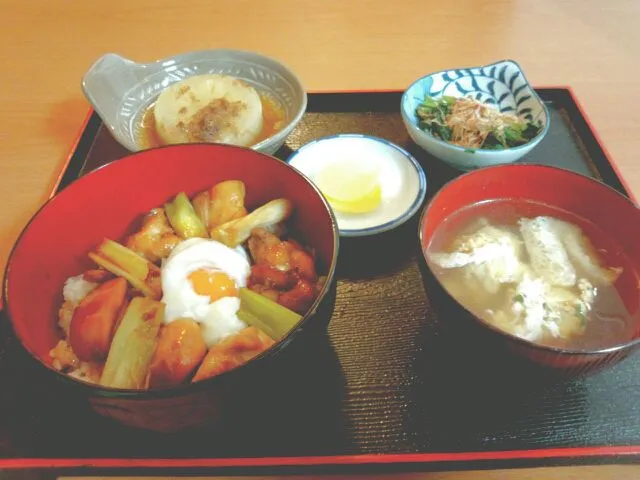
<point>213,284</point>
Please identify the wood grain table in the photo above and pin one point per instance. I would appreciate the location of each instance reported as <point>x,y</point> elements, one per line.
<point>46,46</point>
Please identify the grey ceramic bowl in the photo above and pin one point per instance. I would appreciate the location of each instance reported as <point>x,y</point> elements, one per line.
<point>120,90</point>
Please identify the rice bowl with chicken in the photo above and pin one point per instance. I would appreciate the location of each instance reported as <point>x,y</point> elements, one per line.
<point>200,288</point>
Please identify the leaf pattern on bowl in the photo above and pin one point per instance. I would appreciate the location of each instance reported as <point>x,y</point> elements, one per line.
<point>501,84</point>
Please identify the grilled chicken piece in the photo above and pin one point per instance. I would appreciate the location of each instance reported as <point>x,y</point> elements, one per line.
<point>155,239</point>
<point>233,351</point>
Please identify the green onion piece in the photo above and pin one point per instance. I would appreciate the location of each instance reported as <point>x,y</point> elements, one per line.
<point>278,319</point>
<point>183,217</point>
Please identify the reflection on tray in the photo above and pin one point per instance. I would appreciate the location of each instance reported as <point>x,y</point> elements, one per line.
<point>306,398</point>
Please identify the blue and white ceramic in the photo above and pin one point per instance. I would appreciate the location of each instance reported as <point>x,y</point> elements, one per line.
<point>402,180</point>
<point>502,84</point>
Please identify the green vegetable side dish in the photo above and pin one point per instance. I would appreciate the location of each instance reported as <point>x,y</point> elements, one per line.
<point>470,124</point>
<point>432,116</point>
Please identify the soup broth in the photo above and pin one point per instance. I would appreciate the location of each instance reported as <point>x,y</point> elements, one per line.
<point>273,119</point>
<point>537,272</point>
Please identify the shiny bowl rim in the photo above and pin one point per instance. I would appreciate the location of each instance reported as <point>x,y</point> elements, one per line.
<point>628,345</point>
<point>164,392</point>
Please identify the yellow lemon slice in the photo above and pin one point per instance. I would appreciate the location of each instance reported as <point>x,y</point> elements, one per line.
<point>350,187</point>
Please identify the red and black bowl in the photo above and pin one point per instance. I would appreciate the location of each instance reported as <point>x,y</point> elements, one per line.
<point>109,202</point>
<point>574,193</point>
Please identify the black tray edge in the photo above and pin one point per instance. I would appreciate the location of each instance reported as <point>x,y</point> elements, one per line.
<point>378,463</point>
<point>608,168</point>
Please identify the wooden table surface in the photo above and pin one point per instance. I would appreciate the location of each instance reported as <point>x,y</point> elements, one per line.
<point>46,46</point>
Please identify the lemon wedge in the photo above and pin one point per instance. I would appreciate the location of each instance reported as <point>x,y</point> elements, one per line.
<point>350,187</point>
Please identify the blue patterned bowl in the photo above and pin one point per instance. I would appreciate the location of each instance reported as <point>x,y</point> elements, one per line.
<point>500,84</point>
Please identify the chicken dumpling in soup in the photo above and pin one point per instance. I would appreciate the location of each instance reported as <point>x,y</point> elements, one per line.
<point>583,254</point>
<point>536,272</point>
<point>549,258</point>
<point>535,309</point>
<point>489,257</point>
<point>209,108</point>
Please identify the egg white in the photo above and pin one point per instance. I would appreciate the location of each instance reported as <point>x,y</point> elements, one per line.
<point>218,319</point>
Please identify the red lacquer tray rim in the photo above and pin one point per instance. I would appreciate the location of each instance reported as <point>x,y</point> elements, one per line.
<point>309,461</point>
<point>632,451</point>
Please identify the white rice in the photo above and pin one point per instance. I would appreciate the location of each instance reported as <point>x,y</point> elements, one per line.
<point>76,288</point>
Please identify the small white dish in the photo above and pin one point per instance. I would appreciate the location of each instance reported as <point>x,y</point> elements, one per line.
<point>402,180</point>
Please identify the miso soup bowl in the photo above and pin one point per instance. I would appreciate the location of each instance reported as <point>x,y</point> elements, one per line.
<point>583,196</point>
<point>107,203</point>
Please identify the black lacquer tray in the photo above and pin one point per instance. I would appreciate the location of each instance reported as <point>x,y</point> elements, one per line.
<point>384,391</point>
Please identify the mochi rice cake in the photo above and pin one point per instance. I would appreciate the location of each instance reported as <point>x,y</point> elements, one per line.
<point>209,108</point>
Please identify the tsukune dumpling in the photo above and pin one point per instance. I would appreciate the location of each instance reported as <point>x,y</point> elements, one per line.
<point>490,256</point>
<point>209,108</point>
<point>548,256</point>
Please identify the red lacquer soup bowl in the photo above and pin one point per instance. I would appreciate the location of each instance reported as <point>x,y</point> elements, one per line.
<point>110,202</point>
<point>579,196</point>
